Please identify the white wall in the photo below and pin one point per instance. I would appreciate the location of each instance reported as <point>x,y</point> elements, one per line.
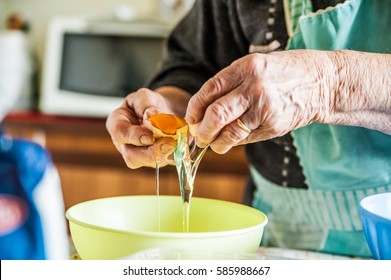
<point>41,11</point>
<point>1,14</point>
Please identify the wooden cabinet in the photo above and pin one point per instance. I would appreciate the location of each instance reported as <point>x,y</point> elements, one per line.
<point>90,166</point>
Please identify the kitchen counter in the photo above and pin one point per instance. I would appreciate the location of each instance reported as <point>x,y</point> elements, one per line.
<point>263,253</point>
<point>268,254</point>
<point>291,254</point>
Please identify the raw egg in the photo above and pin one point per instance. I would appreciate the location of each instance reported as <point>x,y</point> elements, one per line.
<point>166,125</point>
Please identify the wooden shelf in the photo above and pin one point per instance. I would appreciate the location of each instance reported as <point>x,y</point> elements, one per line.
<point>91,167</point>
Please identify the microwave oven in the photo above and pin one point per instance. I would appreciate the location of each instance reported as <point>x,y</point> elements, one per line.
<point>90,66</point>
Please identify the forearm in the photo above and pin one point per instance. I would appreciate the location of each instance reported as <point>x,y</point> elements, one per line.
<point>362,90</point>
<point>176,98</point>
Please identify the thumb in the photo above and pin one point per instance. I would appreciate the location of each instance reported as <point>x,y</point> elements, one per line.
<point>150,111</point>
<point>222,83</point>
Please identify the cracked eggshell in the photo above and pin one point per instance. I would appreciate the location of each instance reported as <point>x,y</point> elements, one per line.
<point>179,124</point>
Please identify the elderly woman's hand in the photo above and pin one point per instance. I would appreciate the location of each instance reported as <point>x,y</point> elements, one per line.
<point>129,130</point>
<point>259,97</point>
<point>133,140</point>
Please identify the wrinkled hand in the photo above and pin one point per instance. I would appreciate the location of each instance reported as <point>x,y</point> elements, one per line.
<point>271,94</point>
<point>134,141</point>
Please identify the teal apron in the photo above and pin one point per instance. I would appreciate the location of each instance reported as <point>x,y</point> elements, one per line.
<point>341,164</point>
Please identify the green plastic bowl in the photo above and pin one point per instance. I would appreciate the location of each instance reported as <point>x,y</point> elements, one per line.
<point>116,227</point>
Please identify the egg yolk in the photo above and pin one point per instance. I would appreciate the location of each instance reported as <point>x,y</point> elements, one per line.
<point>168,124</point>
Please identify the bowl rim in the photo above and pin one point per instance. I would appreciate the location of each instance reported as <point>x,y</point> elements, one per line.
<point>170,234</point>
<point>368,212</point>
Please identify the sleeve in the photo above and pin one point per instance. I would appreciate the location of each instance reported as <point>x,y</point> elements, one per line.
<point>199,46</point>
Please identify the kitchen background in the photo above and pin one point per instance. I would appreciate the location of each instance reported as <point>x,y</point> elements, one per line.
<point>88,163</point>
<point>39,12</point>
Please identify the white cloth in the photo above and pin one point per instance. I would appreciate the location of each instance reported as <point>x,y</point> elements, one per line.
<point>15,70</point>
<point>49,201</point>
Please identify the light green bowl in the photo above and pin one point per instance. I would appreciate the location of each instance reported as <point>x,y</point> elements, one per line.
<point>116,227</point>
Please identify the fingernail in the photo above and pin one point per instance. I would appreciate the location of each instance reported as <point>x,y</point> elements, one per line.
<point>170,159</point>
<point>165,148</point>
<point>200,144</point>
<point>193,129</point>
<point>190,120</point>
<point>149,112</point>
<point>145,140</point>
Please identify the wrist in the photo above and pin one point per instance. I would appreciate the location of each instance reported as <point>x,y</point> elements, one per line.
<point>326,71</point>
<point>360,93</point>
<point>342,87</point>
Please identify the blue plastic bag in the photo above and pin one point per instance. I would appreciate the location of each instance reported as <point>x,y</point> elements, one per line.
<point>32,224</point>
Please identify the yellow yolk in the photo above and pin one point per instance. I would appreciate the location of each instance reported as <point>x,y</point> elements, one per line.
<point>166,125</point>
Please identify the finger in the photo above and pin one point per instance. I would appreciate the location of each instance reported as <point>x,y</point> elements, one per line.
<point>221,113</point>
<point>257,136</point>
<point>223,82</point>
<point>230,136</point>
<point>164,148</point>
<point>136,157</point>
<point>145,103</point>
<point>124,129</point>
<point>169,159</point>
<point>266,132</point>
